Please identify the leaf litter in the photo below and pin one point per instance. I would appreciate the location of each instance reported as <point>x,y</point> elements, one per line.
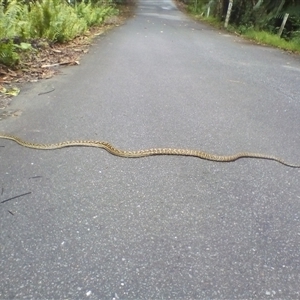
<point>44,59</point>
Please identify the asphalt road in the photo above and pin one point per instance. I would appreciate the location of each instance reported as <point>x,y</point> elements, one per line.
<point>98,226</point>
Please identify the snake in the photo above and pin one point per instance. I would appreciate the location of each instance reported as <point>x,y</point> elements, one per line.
<point>147,152</point>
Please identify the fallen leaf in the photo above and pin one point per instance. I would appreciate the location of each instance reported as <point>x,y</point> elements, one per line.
<point>17,113</point>
<point>13,91</point>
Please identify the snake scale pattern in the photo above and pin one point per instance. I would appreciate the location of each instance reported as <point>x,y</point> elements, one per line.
<point>148,152</point>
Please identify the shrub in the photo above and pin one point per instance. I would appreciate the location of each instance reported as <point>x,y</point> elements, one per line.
<point>55,21</point>
<point>8,55</point>
<point>13,20</point>
<point>93,14</point>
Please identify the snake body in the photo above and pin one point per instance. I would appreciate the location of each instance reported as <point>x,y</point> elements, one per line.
<point>147,152</point>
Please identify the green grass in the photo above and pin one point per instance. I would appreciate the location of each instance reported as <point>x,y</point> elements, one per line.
<point>212,21</point>
<point>273,40</point>
<point>261,37</point>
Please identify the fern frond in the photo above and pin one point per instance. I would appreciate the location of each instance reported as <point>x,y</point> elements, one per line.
<point>9,19</point>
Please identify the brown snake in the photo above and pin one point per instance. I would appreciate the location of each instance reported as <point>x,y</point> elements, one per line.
<point>148,152</point>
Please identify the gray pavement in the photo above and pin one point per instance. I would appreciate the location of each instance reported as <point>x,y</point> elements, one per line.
<point>96,226</point>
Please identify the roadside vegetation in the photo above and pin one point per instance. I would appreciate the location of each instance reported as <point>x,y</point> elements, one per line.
<point>27,25</point>
<point>256,19</point>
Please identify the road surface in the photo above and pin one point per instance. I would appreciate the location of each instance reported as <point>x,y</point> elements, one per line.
<point>95,226</point>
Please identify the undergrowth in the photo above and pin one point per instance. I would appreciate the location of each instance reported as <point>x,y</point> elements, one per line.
<point>260,36</point>
<point>256,20</point>
<point>53,20</point>
<point>273,40</point>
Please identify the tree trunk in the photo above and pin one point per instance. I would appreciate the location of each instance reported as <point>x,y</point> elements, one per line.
<point>229,8</point>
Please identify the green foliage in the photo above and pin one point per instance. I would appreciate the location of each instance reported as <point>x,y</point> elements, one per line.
<point>199,7</point>
<point>258,20</point>
<point>295,38</point>
<point>274,40</point>
<point>8,55</point>
<point>24,47</point>
<point>12,19</point>
<point>93,14</point>
<point>260,15</point>
<point>53,20</point>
